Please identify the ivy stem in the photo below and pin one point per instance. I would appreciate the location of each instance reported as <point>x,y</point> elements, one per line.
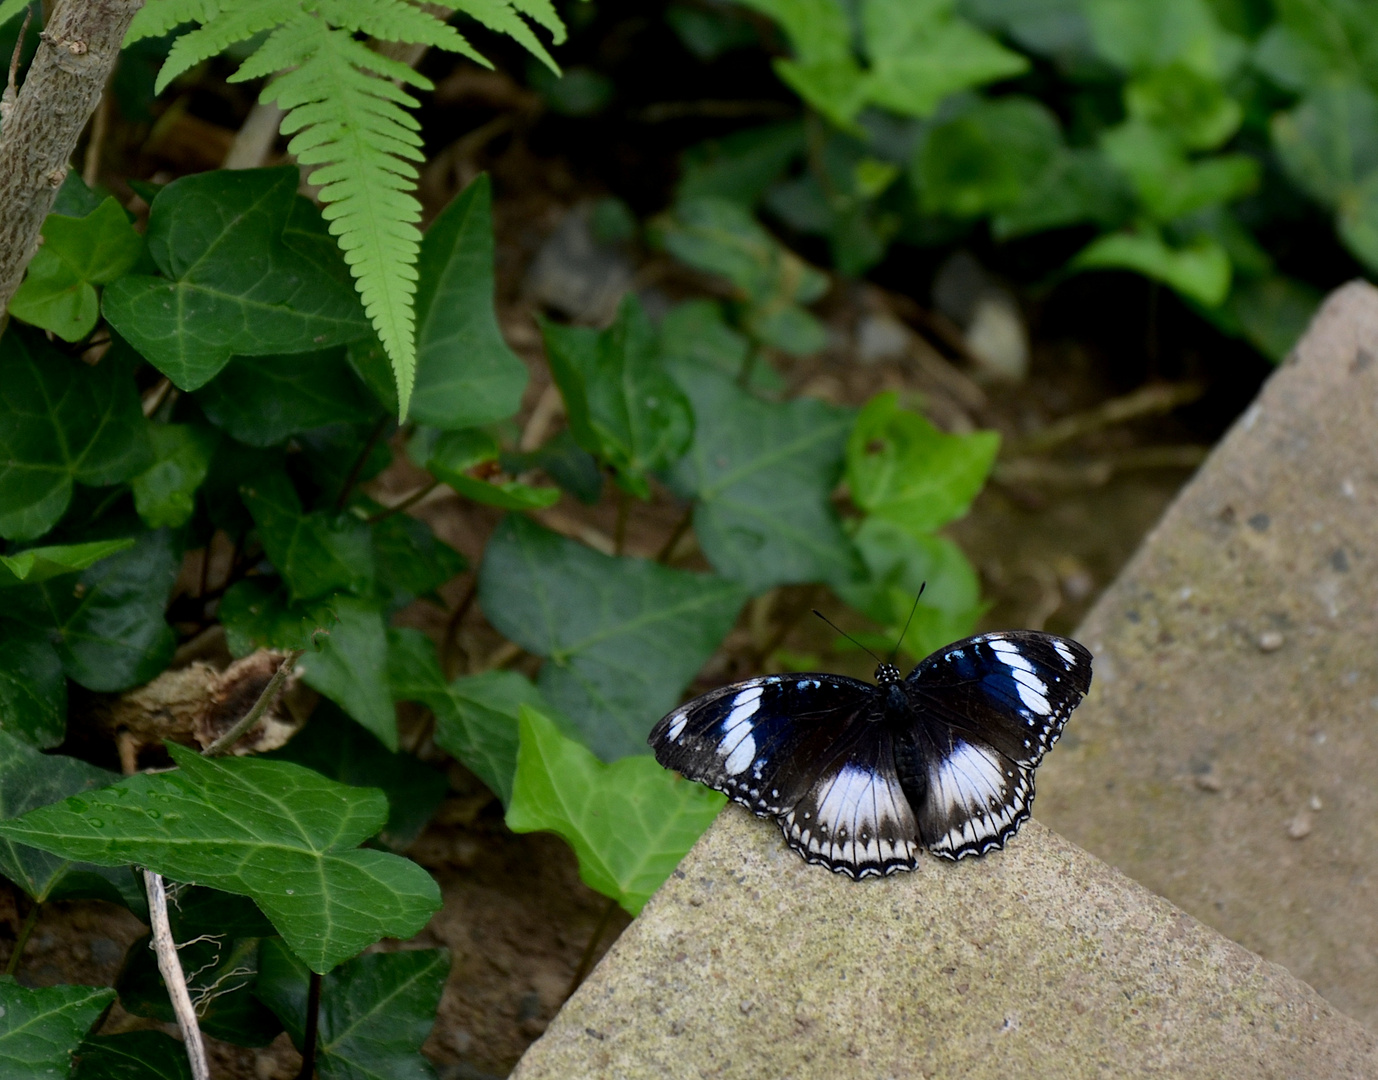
<point>410,501</point>
<point>308,1039</point>
<point>449,642</point>
<point>173,976</point>
<point>30,921</point>
<point>619,535</point>
<point>265,701</point>
<point>586,961</point>
<point>681,527</point>
<point>359,463</point>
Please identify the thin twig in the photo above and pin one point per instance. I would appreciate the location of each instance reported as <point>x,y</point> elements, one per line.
<point>509,652</point>
<point>359,463</point>
<point>410,501</point>
<point>449,641</point>
<point>586,961</point>
<point>308,1040</point>
<point>30,921</point>
<point>173,976</point>
<point>265,701</point>
<point>1148,400</point>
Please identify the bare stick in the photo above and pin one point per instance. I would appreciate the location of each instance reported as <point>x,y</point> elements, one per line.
<point>77,52</point>
<point>11,94</point>
<point>1148,400</point>
<point>176,981</point>
<point>265,701</point>
<point>308,1039</point>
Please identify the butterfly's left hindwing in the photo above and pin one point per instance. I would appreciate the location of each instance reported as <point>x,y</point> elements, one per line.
<point>757,741</point>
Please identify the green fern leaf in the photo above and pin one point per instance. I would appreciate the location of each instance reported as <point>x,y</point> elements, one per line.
<point>346,111</point>
<point>499,15</point>
<point>159,17</point>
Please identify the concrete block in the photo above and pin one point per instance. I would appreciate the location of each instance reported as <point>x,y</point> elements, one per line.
<point>1227,757</point>
<point>1038,961</point>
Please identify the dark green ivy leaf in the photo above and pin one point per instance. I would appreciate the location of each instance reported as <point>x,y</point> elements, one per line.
<point>350,667</point>
<point>133,1055</point>
<point>316,553</point>
<point>466,376</point>
<point>263,400</point>
<point>763,476</point>
<point>409,560</point>
<point>622,637</point>
<point>29,779</point>
<point>33,686</point>
<point>107,622</point>
<point>378,1010</point>
<point>290,845</point>
<point>248,268</point>
<point>39,1029</point>
<point>257,614</point>
<point>453,458</point>
<point>61,422</point>
<point>33,565</point>
<point>165,493</point>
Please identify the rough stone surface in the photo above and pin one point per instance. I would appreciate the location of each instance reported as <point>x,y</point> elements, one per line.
<point>1227,757</point>
<point>1038,961</point>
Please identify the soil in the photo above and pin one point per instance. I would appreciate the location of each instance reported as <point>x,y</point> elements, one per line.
<point>1046,539</point>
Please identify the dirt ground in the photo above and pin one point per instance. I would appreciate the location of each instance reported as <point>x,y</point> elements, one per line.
<point>1048,534</point>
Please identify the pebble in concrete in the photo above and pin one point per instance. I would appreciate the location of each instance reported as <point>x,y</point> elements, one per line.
<point>1227,757</point>
<point>1038,961</point>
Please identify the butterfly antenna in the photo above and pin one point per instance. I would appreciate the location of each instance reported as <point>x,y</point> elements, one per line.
<point>895,651</point>
<point>848,636</point>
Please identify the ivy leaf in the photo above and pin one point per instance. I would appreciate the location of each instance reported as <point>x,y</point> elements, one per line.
<point>248,269</point>
<point>899,563</point>
<point>217,935</point>
<point>165,493</point>
<point>564,461</point>
<point>257,614</point>
<point>763,475</point>
<point>350,667</point>
<point>107,622</point>
<point>409,560</point>
<point>40,1028</point>
<point>381,1009</point>
<point>900,467</point>
<point>631,413</point>
<point>475,715</point>
<point>29,779</point>
<point>1199,271</point>
<point>62,422</point>
<point>315,553</point>
<point>622,636</point>
<point>133,1055</point>
<point>264,400</point>
<point>466,376</point>
<point>630,822</point>
<point>33,686</point>
<point>269,830</point>
<point>455,455</point>
<point>41,563</point>
<point>339,748</point>
<point>78,253</point>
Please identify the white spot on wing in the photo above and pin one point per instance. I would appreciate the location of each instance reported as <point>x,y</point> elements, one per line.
<point>677,725</point>
<point>741,755</point>
<point>1031,691</point>
<point>1068,660</point>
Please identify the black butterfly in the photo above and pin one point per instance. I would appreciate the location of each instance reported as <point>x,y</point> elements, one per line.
<point>861,778</point>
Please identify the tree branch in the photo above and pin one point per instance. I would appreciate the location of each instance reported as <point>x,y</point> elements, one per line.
<point>77,51</point>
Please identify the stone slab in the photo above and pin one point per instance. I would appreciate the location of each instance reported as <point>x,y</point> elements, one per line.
<point>1038,961</point>
<point>1227,757</point>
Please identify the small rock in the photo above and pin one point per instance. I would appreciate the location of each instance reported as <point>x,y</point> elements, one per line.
<point>1208,781</point>
<point>575,274</point>
<point>997,338</point>
<point>1315,802</point>
<point>746,1006</point>
<point>881,336</point>
<point>1270,641</point>
<point>1300,826</point>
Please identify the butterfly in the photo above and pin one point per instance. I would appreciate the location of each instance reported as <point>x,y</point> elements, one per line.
<point>863,778</point>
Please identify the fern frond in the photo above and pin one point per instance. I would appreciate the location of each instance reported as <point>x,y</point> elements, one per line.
<point>355,127</point>
<point>345,109</point>
<point>159,17</point>
<point>234,22</point>
<point>500,15</point>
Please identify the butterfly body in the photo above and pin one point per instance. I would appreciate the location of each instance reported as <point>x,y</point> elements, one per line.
<point>863,778</point>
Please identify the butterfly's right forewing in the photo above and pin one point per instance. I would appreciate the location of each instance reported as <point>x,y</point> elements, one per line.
<point>755,740</point>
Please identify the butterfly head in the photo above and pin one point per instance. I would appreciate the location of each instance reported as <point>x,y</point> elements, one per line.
<point>888,675</point>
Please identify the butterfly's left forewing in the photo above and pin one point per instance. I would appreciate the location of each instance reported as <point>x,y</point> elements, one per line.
<point>756,740</point>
